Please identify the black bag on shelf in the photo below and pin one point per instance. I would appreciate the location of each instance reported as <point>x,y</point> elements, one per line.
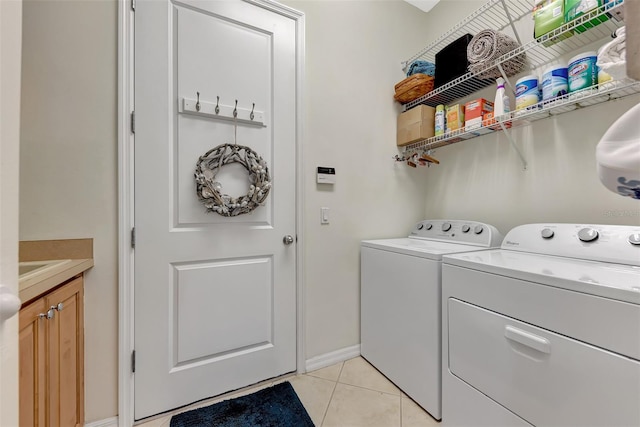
<point>451,61</point>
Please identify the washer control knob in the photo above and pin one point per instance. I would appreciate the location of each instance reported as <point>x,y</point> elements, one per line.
<point>634,239</point>
<point>547,233</point>
<point>420,226</point>
<point>446,226</point>
<point>429,227</point>
<point>465,228</point>
<point>478,229</point>
<point>587,234</point>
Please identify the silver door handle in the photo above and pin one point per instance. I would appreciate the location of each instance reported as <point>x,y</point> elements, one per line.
<point>288,239</point>
<point>57,307</point>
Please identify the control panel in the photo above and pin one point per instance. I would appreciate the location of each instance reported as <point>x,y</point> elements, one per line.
<point>619,244</point>
<point>457,231</point>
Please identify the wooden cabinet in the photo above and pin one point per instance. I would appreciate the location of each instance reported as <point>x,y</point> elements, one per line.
<point>52,358</point>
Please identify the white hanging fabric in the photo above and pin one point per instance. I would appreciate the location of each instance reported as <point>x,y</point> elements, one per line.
<point>618,155</point>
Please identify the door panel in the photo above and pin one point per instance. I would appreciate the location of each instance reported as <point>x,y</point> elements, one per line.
<point>230,300</point>
<point>214,296</point>
<point>201,36</point>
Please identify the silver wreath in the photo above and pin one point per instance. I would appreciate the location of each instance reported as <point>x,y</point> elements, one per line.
<point>210,191</point>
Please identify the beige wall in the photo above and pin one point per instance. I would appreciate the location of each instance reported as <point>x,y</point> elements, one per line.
<point>354,51</point>
<point>353,55</point>
<point>483,179</point>
<point>68,158</point>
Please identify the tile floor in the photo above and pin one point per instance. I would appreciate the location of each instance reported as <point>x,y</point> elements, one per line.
<point>348,394</point>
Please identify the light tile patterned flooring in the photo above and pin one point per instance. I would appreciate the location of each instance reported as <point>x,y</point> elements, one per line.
<point>348,394</point>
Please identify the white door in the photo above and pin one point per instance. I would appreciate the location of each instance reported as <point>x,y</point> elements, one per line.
<point>215,296</point>
<point>10,49</point>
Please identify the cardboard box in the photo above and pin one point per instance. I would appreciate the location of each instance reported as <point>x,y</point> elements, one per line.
<point>415,124</point>
<point>473,112</point>
<point>414,132</point>
<point>416,114</point>
<point>490,122</point>
<point>455,117</point>
<point>576,8</point>
<point>549,15</point>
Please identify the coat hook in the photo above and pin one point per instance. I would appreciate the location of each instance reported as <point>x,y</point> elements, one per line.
<point>235,109</point>
<point>217,106</point>
<point>251,115</point>
<point>198,102</point>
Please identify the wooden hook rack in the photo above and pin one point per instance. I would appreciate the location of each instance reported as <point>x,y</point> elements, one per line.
<point>225,112</point>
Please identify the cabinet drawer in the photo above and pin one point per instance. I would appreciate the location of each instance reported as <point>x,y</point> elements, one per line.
<point>543,377</point>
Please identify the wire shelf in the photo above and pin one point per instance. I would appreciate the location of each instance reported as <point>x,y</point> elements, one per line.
<point>545,50</point>
<point>581,99</point>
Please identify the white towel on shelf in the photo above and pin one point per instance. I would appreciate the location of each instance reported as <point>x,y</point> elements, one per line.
<point>612,56</point>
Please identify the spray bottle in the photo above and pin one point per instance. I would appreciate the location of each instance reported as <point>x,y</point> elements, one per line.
<point>501,105</point>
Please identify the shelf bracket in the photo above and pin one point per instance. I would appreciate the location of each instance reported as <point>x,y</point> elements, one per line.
<point>513,144</point>
<point>513,27</point>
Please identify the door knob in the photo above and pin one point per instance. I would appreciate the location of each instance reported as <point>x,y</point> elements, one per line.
<point>9,303</point>
<point>288,239</point>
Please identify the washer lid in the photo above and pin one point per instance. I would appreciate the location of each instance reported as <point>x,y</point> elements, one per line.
<point>615,281</point>
<point>419,247</point>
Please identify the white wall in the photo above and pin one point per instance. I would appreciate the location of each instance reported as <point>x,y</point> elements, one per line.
<point>10,51</point>
<point>483,179</point>
<point>354,51</point>
<point>68,158</point>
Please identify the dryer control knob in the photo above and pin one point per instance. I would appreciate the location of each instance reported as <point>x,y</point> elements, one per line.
<point>420,226</point>
<point>634,239</point>
<point>429,227</point>
<point>446,226</point>
<point>465,228</point>
<point>547,233</point>
<point>587,234</point>
<point>478,229</point>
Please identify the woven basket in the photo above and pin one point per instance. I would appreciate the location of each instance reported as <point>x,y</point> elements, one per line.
<point>413,87</point>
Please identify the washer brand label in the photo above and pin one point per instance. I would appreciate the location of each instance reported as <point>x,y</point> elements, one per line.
<point>509,242</point>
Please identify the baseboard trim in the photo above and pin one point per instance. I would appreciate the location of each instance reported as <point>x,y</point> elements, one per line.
<point>108,422</point>
<point>332,358</point>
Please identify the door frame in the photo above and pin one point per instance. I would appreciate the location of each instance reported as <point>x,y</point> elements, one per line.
<point>126,197</point>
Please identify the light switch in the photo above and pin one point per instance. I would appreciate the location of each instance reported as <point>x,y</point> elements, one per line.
<point>324,215</point>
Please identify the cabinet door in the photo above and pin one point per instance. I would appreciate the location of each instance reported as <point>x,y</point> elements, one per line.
<point>32,381</point>
<point>66,355</point>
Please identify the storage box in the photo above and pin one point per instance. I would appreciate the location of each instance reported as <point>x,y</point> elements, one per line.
<point>415,124</point>
<point>489,121</point>
<point>455,117</point>
<point>473,112</point>
<point>549,15</point>
<point>575,8</point>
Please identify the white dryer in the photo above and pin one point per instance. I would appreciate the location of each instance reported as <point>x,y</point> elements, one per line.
<point>544,331</point>
<point>400,302</point>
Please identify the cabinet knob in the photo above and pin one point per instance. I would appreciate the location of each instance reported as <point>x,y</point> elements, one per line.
<point>47,315</point>
<point>57,307</point>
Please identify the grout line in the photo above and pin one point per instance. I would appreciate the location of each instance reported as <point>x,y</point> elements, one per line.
<point>332,393</point>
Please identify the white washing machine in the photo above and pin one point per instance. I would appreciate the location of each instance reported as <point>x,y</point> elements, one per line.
<point>400,302</point>
<point>544,331</point>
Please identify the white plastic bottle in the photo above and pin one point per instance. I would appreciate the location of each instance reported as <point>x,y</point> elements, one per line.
<point>501,104</point>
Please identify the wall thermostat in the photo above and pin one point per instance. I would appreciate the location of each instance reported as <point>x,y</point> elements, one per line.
<point>326,175</point>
